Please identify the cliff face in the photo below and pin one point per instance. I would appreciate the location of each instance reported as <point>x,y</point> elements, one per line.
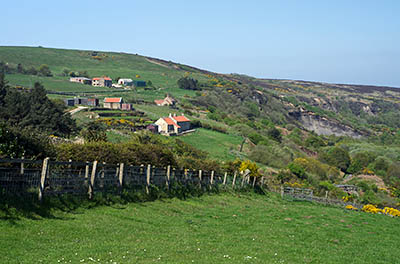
<point>324,126</point>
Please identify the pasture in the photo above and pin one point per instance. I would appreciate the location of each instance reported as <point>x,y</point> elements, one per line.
<point>219,228</point>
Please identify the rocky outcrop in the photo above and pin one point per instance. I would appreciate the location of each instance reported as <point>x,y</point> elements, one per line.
<point>324,126</point>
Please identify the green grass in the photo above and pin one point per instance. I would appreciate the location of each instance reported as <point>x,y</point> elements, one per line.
<point>224,228</point>
<point>155,112</point>
<point>56,83</point>
<point>112,64</point>
<point>114,137</point>
<point>219,145</point>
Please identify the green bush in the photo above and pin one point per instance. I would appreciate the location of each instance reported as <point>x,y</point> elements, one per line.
<point>315,142</point>
<point>360,161</point>
<point>337,157</point>
<point>275,134</point>
<point>257,138</point>
<point>297,170</point>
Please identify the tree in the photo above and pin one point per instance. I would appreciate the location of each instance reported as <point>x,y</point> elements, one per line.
<point>337,157</point>
<point>188,83</point>
<point>20,69</point>
<point>32,71</point>
<point>94,132</point>
<point>44,70</point>
<point>3,87</point>
<point>9,146</point>
<point>83,74</point>
<point>275,134</point>
<point>65,72</point>
<point>36,110</point>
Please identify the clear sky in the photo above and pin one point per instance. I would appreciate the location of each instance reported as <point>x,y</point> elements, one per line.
<point>339,41</point>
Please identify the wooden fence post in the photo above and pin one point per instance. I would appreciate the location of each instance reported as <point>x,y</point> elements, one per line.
<point>281,191</point>
<point>212,179</point>
<point>168,175</point>
<point>87,170</point>
<point>22,165</point>
<point>148,178</point>
<point>326,197</point>
<point>92,177</point>
<point>234,179</point>
<point>254,181</point>
<point>243,179</point>
<point>121,174</point>
<point>226,174</point>
<point>45,169</point>
<point>200,172</point>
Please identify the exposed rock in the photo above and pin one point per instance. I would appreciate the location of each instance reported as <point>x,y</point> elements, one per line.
<point>324,126</point>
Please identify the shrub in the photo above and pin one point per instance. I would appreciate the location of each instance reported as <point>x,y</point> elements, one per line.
<point>251,166</point>
<point>275,134</point>
<point>327,186</point>
<point>285,175</point>
<point>257,138</point>
<point>272,155</point>
<point>44,70</point>
<point>315,142</point>
<point>360,161</point>
<point>94,132</point>
<point>297,170</point>
<point>323,171</point>
<point>338,157</point>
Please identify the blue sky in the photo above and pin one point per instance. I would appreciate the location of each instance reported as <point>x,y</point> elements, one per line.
<point>339,41</point>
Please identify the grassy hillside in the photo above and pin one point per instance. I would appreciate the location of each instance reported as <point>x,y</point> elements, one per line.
<point>220,146</point>
<point>222,228</point>
<point>104,63</point>
<point>307,132</point>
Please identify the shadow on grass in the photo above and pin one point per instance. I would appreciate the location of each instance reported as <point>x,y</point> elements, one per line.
<point>14,208</point>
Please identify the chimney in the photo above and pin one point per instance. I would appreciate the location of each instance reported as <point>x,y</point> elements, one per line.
<point>170,115</point>
<point>174,114</point>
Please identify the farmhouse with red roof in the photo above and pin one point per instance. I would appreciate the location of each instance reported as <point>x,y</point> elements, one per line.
<point>102,81</point>
<point>166,101</point>
<point>116,103</point>
<point>173,125</point>
<point>113,102</point>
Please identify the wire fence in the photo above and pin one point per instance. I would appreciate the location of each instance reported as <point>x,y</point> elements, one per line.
<point>38,178</point>
<point>308,195</point>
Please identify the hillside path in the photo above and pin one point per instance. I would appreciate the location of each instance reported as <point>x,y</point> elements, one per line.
<point>76,110</point>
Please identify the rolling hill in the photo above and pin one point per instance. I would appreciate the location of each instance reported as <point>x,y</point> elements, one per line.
<point>327,130</point>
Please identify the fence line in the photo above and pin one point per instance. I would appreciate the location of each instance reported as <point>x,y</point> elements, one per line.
<point>47,177</point>
<point>308,195</point>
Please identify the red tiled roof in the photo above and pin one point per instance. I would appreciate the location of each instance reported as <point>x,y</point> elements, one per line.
<point>99,78</point>
<point>181,119</point>
<point>113,100</point>
<point>159,101</point>
<point>170,121</point>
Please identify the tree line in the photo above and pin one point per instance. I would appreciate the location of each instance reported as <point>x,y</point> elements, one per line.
<point>43,70</point>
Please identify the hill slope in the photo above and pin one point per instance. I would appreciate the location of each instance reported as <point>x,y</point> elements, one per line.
<point>308,132</point>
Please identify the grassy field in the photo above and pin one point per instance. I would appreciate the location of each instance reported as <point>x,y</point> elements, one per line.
<point>155,112</point>
<point>217,144</point>
<point>112,64</point>
<point>225,228</point>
